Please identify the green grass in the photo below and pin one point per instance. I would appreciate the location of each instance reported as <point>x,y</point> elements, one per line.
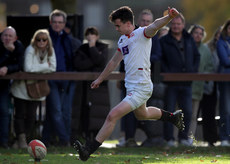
<point>180,155</point>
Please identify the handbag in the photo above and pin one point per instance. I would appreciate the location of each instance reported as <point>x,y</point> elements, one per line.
<point>38,89</point>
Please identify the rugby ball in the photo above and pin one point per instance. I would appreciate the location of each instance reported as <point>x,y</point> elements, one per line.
<point>37,149</point>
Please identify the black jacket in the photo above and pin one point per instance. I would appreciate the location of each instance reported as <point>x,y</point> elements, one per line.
<point>12,60</point>
<point>91,59</point>
<point>172,60</point>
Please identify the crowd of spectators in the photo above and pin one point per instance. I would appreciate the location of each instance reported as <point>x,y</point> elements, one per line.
<point>56,50</point>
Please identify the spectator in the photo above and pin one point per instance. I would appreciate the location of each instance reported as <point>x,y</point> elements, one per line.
<point>11,60</point>
<point>206,66</point>
<point>223,51</point>
<point>163,31</point>
<point>76,43</point>
<point>39,58</point>
<point>179,55</point>
<point>92,57</point>
<point>59,101</point>
<point>209,101</point>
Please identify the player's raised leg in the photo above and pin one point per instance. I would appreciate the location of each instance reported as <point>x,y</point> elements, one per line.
<point>148,113</point>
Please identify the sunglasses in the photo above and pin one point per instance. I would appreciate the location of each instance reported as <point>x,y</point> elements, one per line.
<point>41,39</point>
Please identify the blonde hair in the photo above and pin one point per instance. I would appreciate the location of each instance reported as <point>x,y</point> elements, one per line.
<point>213,41</point>
<point>49,47</point>
<point>192,29</point>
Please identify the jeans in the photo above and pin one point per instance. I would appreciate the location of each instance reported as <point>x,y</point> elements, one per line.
<point>224,108</point>
<point>4,114</point>
<point>58,111</point>
<point>181,96</point>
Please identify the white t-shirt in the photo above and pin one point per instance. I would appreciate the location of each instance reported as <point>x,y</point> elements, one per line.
<point>136,49</point>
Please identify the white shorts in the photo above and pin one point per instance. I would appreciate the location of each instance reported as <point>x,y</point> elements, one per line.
<point>138,94</point>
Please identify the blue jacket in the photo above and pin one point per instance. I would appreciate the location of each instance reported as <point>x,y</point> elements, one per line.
<point>223,51</point>
<point>66,42</point>
<point>156,49</point>
<point>171,59</point>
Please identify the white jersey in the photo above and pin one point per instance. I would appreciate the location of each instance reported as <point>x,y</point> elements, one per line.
<point>136,49</point>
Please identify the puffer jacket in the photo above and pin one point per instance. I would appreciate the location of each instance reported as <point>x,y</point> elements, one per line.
<point>92,59</point>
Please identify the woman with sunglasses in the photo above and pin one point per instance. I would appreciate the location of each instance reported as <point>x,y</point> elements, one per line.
<point>39,58</point>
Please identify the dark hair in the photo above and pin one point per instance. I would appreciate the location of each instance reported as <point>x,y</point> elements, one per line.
<point>224,32</point>
<point>68,25</point>
<point>91,30</point>
<point>123,13</point>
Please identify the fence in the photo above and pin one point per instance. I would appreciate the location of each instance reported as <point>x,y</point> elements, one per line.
<point>116,76</point>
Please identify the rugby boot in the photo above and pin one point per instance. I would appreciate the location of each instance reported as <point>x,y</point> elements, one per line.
<point>82,150</point>
<point>177,119</point>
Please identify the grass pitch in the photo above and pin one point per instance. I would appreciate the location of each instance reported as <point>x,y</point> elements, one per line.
<point>164,155</point>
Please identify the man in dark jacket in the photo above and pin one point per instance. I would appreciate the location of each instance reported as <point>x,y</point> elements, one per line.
<point>59,101</point>
<point>11,60</point>
<point>179,55</point>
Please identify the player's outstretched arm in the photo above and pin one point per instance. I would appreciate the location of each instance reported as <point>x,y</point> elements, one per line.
<point>151,30</point>
<point>112,64</point>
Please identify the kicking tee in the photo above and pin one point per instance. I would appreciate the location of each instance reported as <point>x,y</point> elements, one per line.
<point>136,49</point>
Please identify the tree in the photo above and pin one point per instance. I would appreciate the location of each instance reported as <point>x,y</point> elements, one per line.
<point>209,13</point>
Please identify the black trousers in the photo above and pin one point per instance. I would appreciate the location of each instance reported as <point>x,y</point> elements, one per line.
<point>25,116</point>
<point>208,109</point>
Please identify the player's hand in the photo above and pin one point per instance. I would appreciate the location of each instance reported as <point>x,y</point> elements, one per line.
<point>95,84</point>
<point>172,12</point>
